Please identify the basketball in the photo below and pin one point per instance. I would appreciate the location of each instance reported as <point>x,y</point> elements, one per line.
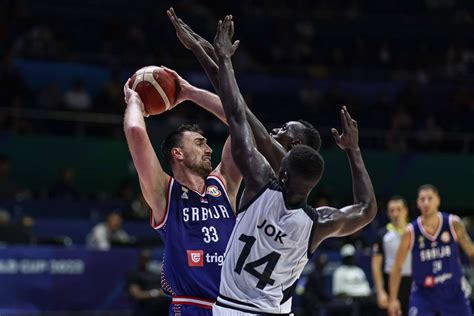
<point>156,87</point>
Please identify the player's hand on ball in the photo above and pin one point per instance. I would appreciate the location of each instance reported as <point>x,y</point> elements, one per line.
<point>223,40</point>
<point>131,96</point>
<point>349,139</point>
<point>394,308</point>
<point>183,88</point>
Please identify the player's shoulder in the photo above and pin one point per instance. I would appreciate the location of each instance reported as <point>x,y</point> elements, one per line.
<point>310,212</point>
<point>266,192</point>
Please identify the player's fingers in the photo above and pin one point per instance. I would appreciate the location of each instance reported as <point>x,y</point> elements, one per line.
<point>335,134</point>
<point>126,86</point>
<point>343,121</point>
<point>235,45</point>
<point>173,13</point>
<point>347,115</point>
<point>231,29</point>
<point>219,26</point>
<point>169,70</point>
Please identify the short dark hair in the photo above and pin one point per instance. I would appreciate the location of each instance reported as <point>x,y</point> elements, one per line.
<point>305,162</point>
<point>400,198</point>
<point>311,135</point>
<point>173,139</point>
<point>428,186</point>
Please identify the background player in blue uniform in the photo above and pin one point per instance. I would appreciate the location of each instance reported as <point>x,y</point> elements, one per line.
<point>433,239</point>
<point>192,210</point>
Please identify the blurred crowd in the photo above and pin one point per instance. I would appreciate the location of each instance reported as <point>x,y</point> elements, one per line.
<point>337,52</point>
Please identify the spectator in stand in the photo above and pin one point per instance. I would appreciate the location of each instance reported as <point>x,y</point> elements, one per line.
<point>8,187</point>
<point>103,235</point>
<point>77,98</point>
<point>349,280</point>
<point>50,98</point>
<point>144,289</point>
<point>65,189</point>
<point>350,286</point>
<point>10,233</point>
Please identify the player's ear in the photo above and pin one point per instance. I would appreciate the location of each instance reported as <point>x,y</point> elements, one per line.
<point>295,142</point>
<point>283,178</point>
<point>177,153</point>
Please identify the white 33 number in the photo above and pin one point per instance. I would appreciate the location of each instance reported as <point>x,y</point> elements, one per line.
<point>210,234</point>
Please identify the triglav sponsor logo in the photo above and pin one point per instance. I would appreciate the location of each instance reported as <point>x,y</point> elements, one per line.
<point>195,258</point>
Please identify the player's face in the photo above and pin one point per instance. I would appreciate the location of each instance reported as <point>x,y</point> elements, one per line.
<point>196,153</point>
<point>428,202</point>
<point>397,212</point>
<point>288,133</point>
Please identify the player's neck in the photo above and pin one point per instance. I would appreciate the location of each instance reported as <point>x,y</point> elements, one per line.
<point>430,219</point>
<point>189,179</point>
<point>296,200</point>
<point>400,225</point>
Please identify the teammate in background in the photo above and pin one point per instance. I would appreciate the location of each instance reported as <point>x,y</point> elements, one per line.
<point>276,230</point>
<point>192,211</point>
<point>273,146</point>
<point>384,251</point>
<point>433,240</point>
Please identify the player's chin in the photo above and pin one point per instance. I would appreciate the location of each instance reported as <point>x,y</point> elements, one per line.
<point>207,166</point>
<point>425,210</point>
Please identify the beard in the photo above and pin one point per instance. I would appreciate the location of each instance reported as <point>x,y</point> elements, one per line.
<point>202,168</point>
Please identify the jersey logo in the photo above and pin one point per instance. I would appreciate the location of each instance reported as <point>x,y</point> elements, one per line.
<point>213,191</point>
<point>184,196</point>
<point>195,258</point>
<point>429,281</point>
<point>421,242</point>
<point>445,237</point>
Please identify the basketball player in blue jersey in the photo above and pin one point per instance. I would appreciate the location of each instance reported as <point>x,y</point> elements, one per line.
<point>274,145</point>
<point>276,231</point>
<point>433,240</point>
<point>192,210</point>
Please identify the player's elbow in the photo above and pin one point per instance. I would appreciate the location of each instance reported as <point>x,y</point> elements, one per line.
<point>369,209</point>
<point>134,131</point>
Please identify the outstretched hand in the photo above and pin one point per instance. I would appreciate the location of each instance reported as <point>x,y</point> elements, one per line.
<point>188,37</point>
<point>131,96</point>
<point>349,139</point>
<point>223,39</point>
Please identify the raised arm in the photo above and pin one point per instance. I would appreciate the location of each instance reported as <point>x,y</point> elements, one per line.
<point>394,308</point>
<point>153,180</point>
<point>254,168</point>
<point>342,222</point>
<point>206,55</point>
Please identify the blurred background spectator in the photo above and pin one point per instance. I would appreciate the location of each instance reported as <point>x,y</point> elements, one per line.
<point>144,289</point>
<point>103,235</point>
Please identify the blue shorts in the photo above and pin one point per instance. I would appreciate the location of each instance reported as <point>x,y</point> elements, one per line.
<point>190,306</point>
<point>447,300</point>
<point>189,310</point>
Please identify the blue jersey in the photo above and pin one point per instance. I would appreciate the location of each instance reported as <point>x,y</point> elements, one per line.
<point>435,258</point>
<point>195,232</point>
